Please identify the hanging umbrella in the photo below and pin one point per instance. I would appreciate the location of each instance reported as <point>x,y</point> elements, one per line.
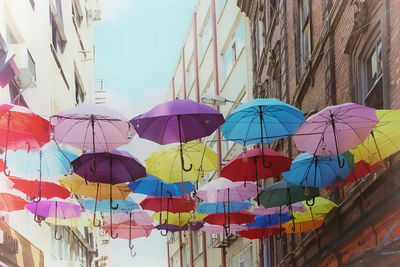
<point>268,220</point>
<point>165,162</point>
<point>321,207</point>
<point>91,127</point>
<point>10,202</point>
<point>112,168</point>
<point>194,226</point>
<point>20,128</point>
<point>82,221</point>
<point>139,217</point>
<point>335,129</point>
<point>260,233</point>
<point>224,190</point>
<point>239,217</point>
<point>172,204</point>
<point>153,186</point>
<point>56,209</point>
<point>126,205</point>
<point>315,171</point>
<point>178,121</point>
<point>218,207</point>
<point>304,226</point>
<point>79,186</point>
<point>383,141</point>
<point>262,121</point>
<point>219,229</point>
<point>178,219</point>
<point>46,189</point>
<point>296,207</point>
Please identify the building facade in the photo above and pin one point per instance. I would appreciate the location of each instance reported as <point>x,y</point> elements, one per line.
<point>54,52</point>
<point>312,54</point>
<point>215,60</point>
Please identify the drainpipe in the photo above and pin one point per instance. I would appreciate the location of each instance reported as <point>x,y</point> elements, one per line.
<point>173,88</point>
<point>203,237</point>
<point>180,249</point>
<point>216,86</point>
<point>191,247</point>
<point>184,73</point>
<point>196,57</point>
<point>169,259</point>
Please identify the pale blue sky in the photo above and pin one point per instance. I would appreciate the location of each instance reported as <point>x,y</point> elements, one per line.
<point>138,43</point>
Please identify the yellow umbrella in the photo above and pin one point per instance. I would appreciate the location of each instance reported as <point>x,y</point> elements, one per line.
<point>180,218</point>
<point>383,141</point>
<point>79,186</point>
<point>165,163</point>
<point>72,222</point>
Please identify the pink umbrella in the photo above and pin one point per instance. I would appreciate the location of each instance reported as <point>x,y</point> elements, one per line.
<point>296,207</point>
<point>335,129</point>
<point>219,229</point>
<point>139,217</point>
<point>224,190</point>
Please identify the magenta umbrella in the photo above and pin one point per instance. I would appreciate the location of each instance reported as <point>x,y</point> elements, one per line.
<point>335,130</point>
<point>178,121</point>
<point>91,128</point>
<point>296,207</point>
<point>54,209</point>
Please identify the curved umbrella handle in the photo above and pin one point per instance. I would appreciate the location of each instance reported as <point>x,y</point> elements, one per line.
<point>166,229</point>
<point>262,139</point>
<point>55,225</point>
<point>263,156</point>
<point>341,163</point>
<point>309,203</point>
<point>133,254</point>
<point>111,234</point>
<point>7,172</point>
<point>94,168</point>
<point>113,207</point>
<point>36,218</point>
<point>131,245</point>
<point>39,197</point>
<point>181,147</point>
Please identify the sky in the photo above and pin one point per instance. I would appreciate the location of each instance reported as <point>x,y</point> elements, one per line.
<point>138,44</point>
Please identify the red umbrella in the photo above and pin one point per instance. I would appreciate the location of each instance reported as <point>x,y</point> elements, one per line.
<point>31,188</point>
<point>249,166</point>
<point>170,204</point>
<point>239,217</point>
<point>20,128</point>
<point>258,233</point>
<point>9,202</point>
<point>361,169</point>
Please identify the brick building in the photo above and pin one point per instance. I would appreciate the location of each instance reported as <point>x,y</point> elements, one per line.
<point>315,53</point>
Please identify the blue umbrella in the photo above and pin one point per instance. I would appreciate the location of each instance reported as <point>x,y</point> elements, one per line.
<point>153,186</point>
<point>262,121</point>
<point>316,171</point>
<point>268,220</point>
<point>219,207</point>
<point>50,160</point>
<point>126,205</point>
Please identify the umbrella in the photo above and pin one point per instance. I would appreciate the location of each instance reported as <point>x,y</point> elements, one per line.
<point>56,209</point>
<point>165,162</point>
<point>79,186</point>
<point>51,160</point>
<point>268,220</point>
<point>10,202</point>
<point>383,141</point>
<point>219,229</point>
<point>335,129</point>
<point>139,217</point>
<point>179,219</point>
<point>20,128</point>
<point>260,233</point>
<point>173,204</point>
<point>321,207</point>
<point>304,226</point>
<point>178,121</point>
<point>104,205</point>
<point>262,121</point>
<point>316,171</point>
<point>112,168</point>
<point>239,217</point>
<point>194,226</point>
<point>224,190</point>
<point>296,207</point>
<point>218,207</point>
<point>91,127</point>
<point>153,186</point>
<point>46,189</point>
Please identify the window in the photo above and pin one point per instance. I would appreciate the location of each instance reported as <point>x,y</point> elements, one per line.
<point>57,41</point>
<point>305,33</point>
<point>243,259</point>
<point>32,66</point>
<point>205,36</point>
<point>59,10</point>
<point>10,36</point>
<point>79,92</point>
<point>261,39</point>
<point>272,10</point>
<point>235,46</point>
<point>197,243</point>
<point>15,95</point>
<point>76,16</point>
<point>208,239</point>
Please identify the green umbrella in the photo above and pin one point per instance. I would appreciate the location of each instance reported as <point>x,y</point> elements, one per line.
<point>285,193</point>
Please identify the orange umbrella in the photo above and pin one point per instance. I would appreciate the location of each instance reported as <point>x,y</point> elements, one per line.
<point>9,202</point>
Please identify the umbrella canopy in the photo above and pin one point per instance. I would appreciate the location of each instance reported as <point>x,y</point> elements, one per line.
<point>153,186</point>
<point>20,128</point>
<point>218,207</point>
<point>262,121</point>
<point>296,207</point>
<point>268,220</point>
<point>335,129</point>
<point>239,217</point>
<point>224,190</point>
<point>301,227</point>
<point>260,233</point>
<point>72,222</point>
<point>177,121</point>
<point>181,218</point>
<point>10,202</point>
<point>171,204</point>
<point>31,188</point>
<point>138,217</point>
<point>315,171</point>
<point>51,160</point>
<point>219,229</point>
<point>112,168</point>
<point>194,226</point>
<point>166,164</point>
<point>321,207</point>
<point>104,205</point>
<point>122,230</point>
<point>383,141</point>
<point>248,166</point>
<point>91,127</point>
<point>285,193</point>
<point>80,187</point>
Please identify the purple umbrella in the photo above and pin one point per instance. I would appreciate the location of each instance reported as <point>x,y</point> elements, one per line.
<point>91,128</point>
<point>54,209</point>
<point>112,168</point>
<point>194,226</point>
<point>177,121</point>
<point>335,130</point>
